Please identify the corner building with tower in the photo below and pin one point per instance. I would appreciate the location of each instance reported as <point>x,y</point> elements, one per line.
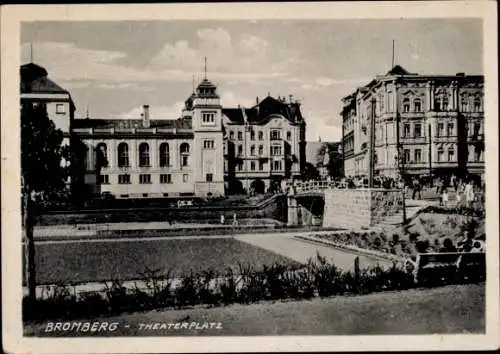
<point>437,121</point>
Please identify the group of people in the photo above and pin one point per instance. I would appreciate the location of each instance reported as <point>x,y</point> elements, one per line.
<point>467,244</point>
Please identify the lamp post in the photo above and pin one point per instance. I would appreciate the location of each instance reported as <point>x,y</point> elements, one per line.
<point>372,143</point>
<point>399,149</point>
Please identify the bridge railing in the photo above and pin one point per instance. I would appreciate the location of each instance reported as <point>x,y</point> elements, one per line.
<point>313,186</point>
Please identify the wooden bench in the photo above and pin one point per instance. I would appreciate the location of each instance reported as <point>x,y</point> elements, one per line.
<point>449,267</point>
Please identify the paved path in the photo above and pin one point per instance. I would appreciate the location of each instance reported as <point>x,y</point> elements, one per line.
<point>445,310</point>
<point>301,250</point>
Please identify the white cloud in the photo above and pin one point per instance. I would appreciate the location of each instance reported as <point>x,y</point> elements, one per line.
<point>248,58</point>
<point>156,112</point>
<point>117,86</point>
<point>319,124</point>
<point>231,100</point>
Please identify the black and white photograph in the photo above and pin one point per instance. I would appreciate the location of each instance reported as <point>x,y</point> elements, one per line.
<point>205,174</point>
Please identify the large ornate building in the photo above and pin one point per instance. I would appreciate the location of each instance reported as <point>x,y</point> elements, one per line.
<point>208,151</point>
<point>439,118</point>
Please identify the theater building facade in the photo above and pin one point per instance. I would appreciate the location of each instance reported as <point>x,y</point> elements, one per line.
<point>208,151</point>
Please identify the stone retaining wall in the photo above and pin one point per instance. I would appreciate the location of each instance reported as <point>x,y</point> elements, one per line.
<point>355,208</point>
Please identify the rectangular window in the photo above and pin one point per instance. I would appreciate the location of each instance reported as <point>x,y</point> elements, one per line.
<point>209,177</point>
<point>252,165</point>
<point>208,144</point>
<point>231,135</point>
<point>275,150</point>
<point>261,165</point>
<point>240,150</point>
<point>276,165</point>
<point>165,178</point>
<point>60,109</point>
<point>252,150</point>
<point>208,117</point>
<point>185,178</point>
<point>185,161</point>
<point>451,128</point>
<point>261,150</point>
<point>145,179</point>
<point>440,155</point>
<point>275,135</point>
<point>406,130</point>
<point>477,155</point>
<point>261,135</point>
<point>240,136</point>
<point>288,135</point>
<point>440,131</point>
<point>406,156</point>
<point>418,130</point>
<point>104,179</point>
<point>418,155</point>
<point>240,166</point>
<point>252,134</point>
<point>418,105</point>
<point>477,128</point>
<point>451,155</point>
<point>123,179</point>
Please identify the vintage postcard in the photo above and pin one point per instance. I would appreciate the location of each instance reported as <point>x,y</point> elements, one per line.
<point>250,177</point>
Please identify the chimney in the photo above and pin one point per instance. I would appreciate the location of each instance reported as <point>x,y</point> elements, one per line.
<point>257,100</point>
<point>145,116</point>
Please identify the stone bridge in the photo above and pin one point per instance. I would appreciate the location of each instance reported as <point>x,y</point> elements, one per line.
<point>323,203</point>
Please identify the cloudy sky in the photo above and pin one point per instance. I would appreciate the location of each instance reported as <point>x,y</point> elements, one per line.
<point>113,68</point>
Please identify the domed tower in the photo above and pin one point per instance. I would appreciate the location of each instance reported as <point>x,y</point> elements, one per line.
<point>208,168</point>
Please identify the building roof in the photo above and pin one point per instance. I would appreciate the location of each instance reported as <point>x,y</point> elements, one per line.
<point>34,80</point>
<point>399,70</point>
<point>131,123</point>
<point>265,110</point>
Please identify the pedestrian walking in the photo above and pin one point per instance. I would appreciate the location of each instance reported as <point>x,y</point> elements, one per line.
<point>235,220</point>
<point>444,197</point>
<point>469,193</point>
<point>222,219</point>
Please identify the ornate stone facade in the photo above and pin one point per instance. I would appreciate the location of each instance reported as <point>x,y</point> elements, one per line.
<point>441,125</point>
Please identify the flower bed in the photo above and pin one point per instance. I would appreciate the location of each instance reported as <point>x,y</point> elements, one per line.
<point>425,233</point>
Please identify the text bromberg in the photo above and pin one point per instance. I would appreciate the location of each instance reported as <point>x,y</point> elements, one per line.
<point>81,327</point>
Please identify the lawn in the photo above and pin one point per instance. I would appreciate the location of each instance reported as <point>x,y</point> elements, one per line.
<point>125,260</point>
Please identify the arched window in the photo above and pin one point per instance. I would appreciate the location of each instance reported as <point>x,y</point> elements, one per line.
<point>164,155</point>
<point>406,105</point>
<point>184,154</point>
<point>101,155</point>
<point>144,155</point>
<point>123,160</point>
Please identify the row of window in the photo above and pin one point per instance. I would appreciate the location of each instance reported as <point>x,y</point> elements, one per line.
<point>441,156</point>
<point>143,179</point>
<point>144,154</point>
<point>165,178</point>
<point>273,135</point>
<point>441,104</point>
<point>275,150</point>
<point>275,166</point>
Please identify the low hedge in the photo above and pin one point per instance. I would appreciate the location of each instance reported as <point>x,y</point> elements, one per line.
<point>318,278</point>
